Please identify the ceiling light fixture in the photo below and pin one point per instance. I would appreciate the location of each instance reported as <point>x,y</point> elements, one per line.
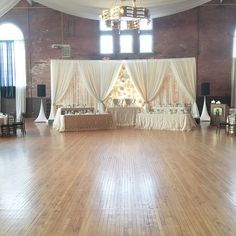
<point>125,17</point>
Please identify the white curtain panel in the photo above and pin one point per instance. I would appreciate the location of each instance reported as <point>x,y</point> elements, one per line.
<point>233,84</point>
<point>62,73</point>
<point>148,76</point>
<point>20,77</point>
<point>77,95</point>
<point>6,5</point>
<point>184,70</point>
<point>170,93</point>
<point>92,9</point>
<point>99,78</point>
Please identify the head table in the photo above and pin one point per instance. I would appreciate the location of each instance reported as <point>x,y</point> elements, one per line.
<point>165,121</point>
<point>124,116</point>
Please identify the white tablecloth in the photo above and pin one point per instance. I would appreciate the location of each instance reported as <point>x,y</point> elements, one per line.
<point>124,116</point>
<point>162,121</point>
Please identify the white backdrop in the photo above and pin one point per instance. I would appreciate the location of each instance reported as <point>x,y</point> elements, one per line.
<point>98,77</point>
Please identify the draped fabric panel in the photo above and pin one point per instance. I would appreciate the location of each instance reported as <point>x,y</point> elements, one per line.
<point>184,71</point>
<point>170,93</point>
<point>92,9</point>
<point>233,83</point>
<point>99,78</point>
<point>62,73</point>
<point>6,5</point>
<point>148,76</point>
<point>77,95</point>
<point>20,77</point>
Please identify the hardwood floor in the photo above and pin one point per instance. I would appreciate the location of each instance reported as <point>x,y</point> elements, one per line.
<point>118,182</point>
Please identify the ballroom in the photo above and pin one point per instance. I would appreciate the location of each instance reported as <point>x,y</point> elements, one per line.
<point>118,118</point>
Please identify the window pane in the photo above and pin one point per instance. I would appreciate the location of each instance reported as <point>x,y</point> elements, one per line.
<point>103,26</point>
<point>106,44</point>
<point>145,26</point>
<point>145,43</point>
<point>126,43</point>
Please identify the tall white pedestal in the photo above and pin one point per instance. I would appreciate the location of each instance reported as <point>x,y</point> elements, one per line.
<point>41,117</point>
<point>205,116</point>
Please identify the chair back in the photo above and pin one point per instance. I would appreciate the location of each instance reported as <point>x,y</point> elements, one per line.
<point>10,119</point>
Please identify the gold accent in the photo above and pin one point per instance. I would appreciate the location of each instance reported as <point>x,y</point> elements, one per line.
<point>130,16</point>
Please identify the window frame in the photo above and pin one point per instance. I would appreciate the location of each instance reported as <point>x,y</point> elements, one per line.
<point>136,42</point>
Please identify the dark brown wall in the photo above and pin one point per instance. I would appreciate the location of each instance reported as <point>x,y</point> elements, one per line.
<point>205,32</point>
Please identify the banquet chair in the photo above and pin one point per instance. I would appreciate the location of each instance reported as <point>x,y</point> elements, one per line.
<point>9,128</point>
<point>232,124</point>
<point>20,124</point>
<point>221,125</point>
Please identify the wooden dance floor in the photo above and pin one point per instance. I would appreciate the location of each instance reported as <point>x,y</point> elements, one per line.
<point>118,182</point>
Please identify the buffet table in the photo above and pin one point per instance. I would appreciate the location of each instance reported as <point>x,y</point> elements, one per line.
<point>163,121</point>
<point>84,122</point>
<point>124,116</point>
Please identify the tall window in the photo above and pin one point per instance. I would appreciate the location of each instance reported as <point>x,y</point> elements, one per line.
<point>125,41</point>
<point>7,69</point>
<point>11,59</point>
<point>13,66</point>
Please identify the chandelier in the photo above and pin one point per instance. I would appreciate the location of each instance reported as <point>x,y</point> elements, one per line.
<point>127,17</point>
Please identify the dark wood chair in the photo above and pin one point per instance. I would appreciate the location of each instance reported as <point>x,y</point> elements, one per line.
<point>9,128</point>
<point>20,124</point>
<point>221,125</point>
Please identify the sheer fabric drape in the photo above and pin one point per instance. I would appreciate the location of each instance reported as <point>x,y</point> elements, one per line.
<point>6,5</point>
<point>233,84</point>
<point>92,10</point>
<point>99,78</point>
<point>20,77</point>
<point>62,73</point>
<point>148,76</point>
<point>77,95</point>
<point>184,71</point>
<point>170,93</point>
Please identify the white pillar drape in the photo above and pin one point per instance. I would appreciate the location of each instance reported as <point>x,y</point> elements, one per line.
<point>184,71</point>
<point>99,78</point>
<point>20,77</point>
<point>62,73</point>
<point>233,84</point>
<point>148,76</point>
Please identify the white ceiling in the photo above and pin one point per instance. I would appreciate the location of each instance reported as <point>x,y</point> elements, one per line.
<point>92,8</point>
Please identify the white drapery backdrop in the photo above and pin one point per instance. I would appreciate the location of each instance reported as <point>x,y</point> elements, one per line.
<point>92,9</point>
<point>148,76</point>
<point>62,73</point>
<point>185,74</point>
<point>233,83</point>
<point>20,77</point>
<point>98,78</point>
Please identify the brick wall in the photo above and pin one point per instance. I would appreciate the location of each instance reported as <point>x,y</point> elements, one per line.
<point>205,32</point>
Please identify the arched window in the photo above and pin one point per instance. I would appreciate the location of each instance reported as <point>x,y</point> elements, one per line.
<point>12,65</point>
